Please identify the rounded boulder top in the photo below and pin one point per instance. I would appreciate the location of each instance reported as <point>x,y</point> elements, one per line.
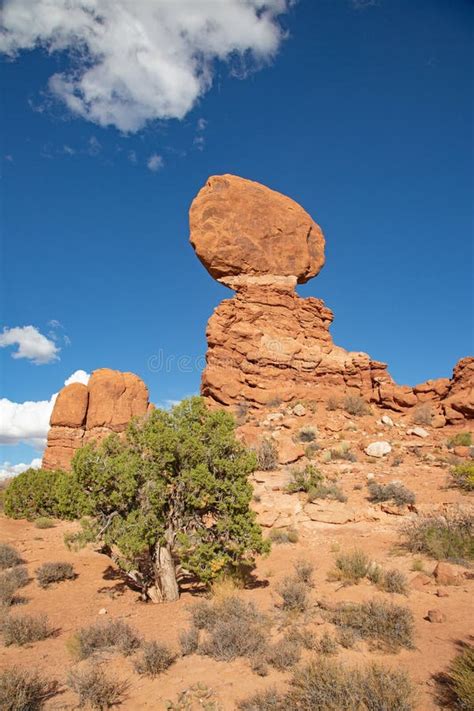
<point>240,228</point>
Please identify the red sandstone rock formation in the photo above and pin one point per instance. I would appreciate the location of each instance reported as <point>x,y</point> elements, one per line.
<point>266,343</point>
<point>90,412</point>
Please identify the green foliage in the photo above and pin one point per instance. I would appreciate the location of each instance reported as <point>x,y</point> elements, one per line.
<point>460,679</point>
<point>449,537</point>
<point>304,479</point>
<point>179,481</point>
<point>351,567</point>
<point>24,690</point>
<point>43,493</point>
<point>280,536</point>
<point>463,476</point>
<point>44,522</point>
<point>461,439</point>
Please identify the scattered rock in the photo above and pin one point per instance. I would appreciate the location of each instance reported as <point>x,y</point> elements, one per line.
<point>386,420</point>
<point>418,432</point>
<point>442,593</point>
<point>461,451</point>
<point>299,410</point>
<point>448,574</point>
<point>378,449</point>
<point>420,581</point>
<point>103,611</point>
<point>436,616</point>
<point>288,451</point>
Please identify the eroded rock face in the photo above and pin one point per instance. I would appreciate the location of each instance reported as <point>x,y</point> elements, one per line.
<point>241,228</point>
<point>268,345</point>
<point>91,412</point>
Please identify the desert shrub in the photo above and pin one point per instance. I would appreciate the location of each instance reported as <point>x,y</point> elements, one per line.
<point>242,410</point>
<point>110,634</point>
<point>44,493</point>
<point>355,405</point>
<point>268,700</point>
<point>189,641</point>
<point>327,644</point>
<point>448,537</point>
<point>423,415</point>
<point>283,654</point>
<point>385,624</point>
<point>332,403</point>
<point>394,581</point>
<point>386,690</point>
<point>304,571</point>
<point>258,664</point>
<point>461,439</point>
<point>346,637</point>
<point>155,492</point>
<point>351,567</point>
<point>155,658</point>
<point>304,479</point>
<point>460,679</point>
<point>294,594</point>
<point>50,573</point>
<point>283,535</point>
<point>343,452</point>
<point>302,636</point>
<point>311,450</point>
<point>95,688</point>
<point>203,614</point>
<point>394,492</point>
<point>9,556</point>
<point>24,690</point>
<point>327,491</point>
<point>237,629</point>
<point>24,629</point>
<point>307,434</point>
<point>267,455</point>
<point>44,522</point>
<point>10,581</point>
<point>463,476</point>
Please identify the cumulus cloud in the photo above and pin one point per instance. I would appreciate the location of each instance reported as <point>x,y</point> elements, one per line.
<point>28,422</point>
<point>8,470</point>
<point>155,162</point>
<point>31,344</point>
<point>133,61</point>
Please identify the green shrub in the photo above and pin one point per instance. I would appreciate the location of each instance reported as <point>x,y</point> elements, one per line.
<point>448,537</point>
<point>394,492</point>
<point>44,522</point>
<point>463,476</point>
<point>110,634</point>
<point>283,535</point>
<point>24,629</point>
<point>41,493</point>
<point>267,455</point>
<point>174,493</point>
<point>304,479</point>
<point>10,581</point>
<point>95,688</point>
<point>9,556</point>
<point>460,679</point>
<point>24,690</point>
<point>355,405</point>
<point>351,567</point>
<point>385,624</point>
<point>50,573</point>
<point>327,491</point>
<point>461,439</point>
<point>155,658</point>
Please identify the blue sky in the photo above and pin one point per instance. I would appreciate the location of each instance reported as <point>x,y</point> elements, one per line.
<point>362,113</point>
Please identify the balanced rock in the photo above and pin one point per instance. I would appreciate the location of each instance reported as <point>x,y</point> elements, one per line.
<point>91,412</point>
<point>267,345</point>
<point>241,228</point>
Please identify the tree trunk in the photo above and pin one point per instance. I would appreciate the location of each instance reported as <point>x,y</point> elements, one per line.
<point>166,586</point>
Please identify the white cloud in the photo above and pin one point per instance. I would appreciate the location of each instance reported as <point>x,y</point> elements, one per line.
<point>31,344</point>
<point>28,422</point>
<point>155,162</point>
<point>133,61</point>
<point>8,470</point>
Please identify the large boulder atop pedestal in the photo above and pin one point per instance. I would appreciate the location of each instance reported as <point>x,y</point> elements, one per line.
<point>241,228</point>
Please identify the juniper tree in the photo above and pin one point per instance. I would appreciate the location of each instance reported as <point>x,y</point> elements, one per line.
<point>172,498</point>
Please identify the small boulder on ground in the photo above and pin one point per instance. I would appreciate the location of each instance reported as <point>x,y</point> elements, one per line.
<point>378,449</point>
<point>448,574</point>
<point>418,432</point>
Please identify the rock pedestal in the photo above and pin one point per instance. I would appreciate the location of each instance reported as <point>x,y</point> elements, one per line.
<point>267,344</point>
<point>91,412</point>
